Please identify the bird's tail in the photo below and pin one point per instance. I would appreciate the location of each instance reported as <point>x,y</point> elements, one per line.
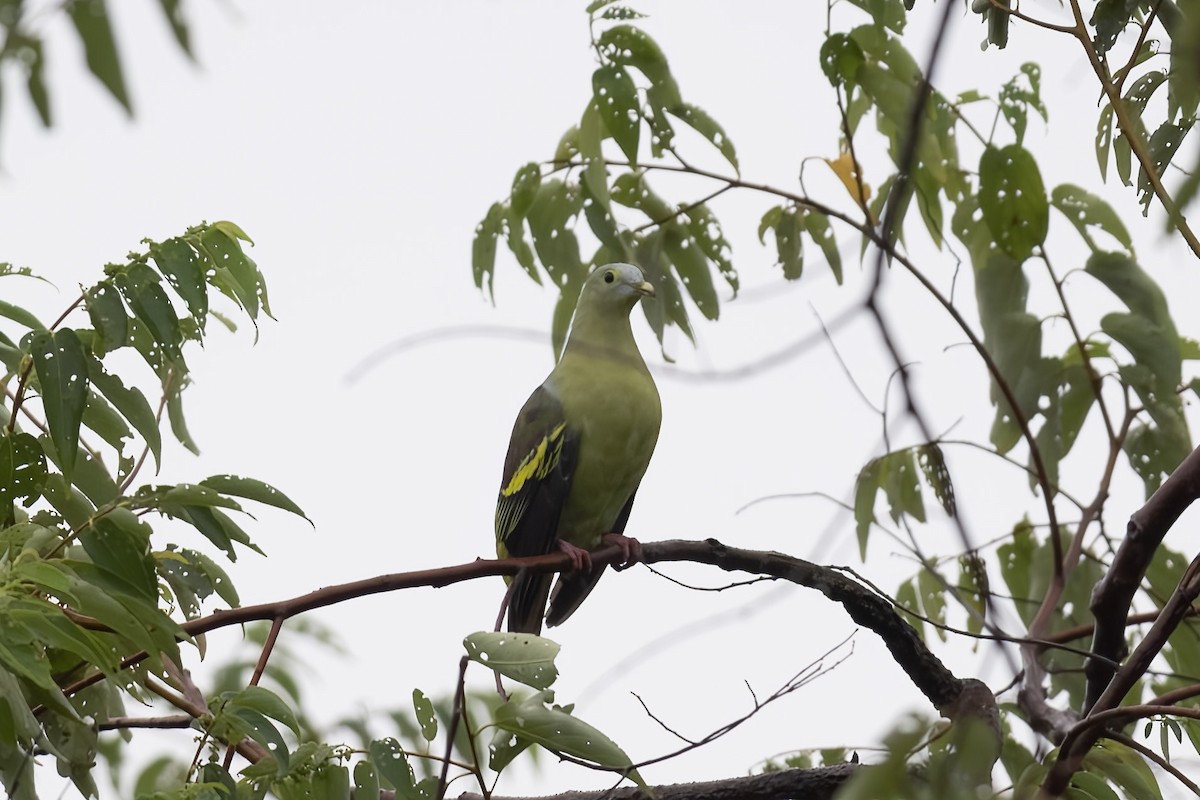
<point>571,590</point>
<point>527,604</point>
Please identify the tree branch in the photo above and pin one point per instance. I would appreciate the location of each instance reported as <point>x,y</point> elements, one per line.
<point>1113,595</point>
<point>794,784</point>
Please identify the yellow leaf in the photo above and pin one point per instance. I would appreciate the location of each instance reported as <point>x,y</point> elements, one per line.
<point>843,166</point>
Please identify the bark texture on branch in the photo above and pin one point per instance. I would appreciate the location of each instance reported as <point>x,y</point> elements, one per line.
<point>1113,595</point>
<point>791,784</point>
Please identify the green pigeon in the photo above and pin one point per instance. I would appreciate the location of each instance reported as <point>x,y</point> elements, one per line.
<point>579,449</point>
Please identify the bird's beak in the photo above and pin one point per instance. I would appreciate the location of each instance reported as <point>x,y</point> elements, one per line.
<point>645,288</point>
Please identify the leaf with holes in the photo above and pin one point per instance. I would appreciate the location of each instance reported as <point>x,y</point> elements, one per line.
<point>62,372</point>
<point>615,97</point>
<point>698,120</point>
<point>130,403</point>
<point>1163,146</point>
<point>391,761</point>
<point>483,248</point>
<point>1084,210</point>
<point>816,225</point>
<point>22,472</point>
<point>692,267</point>
<point>253,489</point>
<point>426,718</point>
<point>1013,200</point>
<point>523,657</point>
<point>556,730</point>
<point>184,268</point>
<point>140,286</point>
<point>632,47</point>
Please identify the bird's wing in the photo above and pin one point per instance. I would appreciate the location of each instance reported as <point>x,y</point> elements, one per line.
<point>574,587</point>
<point>537,478</point>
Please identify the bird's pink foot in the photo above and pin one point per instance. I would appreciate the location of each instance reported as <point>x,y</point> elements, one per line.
<point>631,549</point>
<point>581,559</point>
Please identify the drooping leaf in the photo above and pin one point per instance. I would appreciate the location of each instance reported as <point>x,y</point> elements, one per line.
<point>555,729</point>
<point>22,472</point>
<point>524,188</point>
<point>615,97</point>
<point>178,423</point>
<point>1013,200</point>
<point>1084,210</point>
<point>816,225</point>
<point>173,10</point>
<point>391,761</point>
<point>91,21</point>
<point>62,373</point>
<point>235,273</point>
<point>140,286</point>
<point>1163,146</point>
<point>131,404</point>
<point>699,120</point>
<point>107,313</point>
<point>692,268</point>
<point>426,718</point>
<point>252,489</point>
<point>122,553</point>
<point>554,208</point>
<point>629,46</point>
<point>183,268</point>
<point>483,248</point>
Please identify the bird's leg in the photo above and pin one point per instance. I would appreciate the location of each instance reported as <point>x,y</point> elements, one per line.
<point>581,559</point>
<point>631,549</point>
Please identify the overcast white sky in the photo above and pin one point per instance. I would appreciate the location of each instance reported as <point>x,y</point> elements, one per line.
<point>359,144</point>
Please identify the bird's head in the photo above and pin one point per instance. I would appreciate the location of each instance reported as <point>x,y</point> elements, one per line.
<point>620,285</point>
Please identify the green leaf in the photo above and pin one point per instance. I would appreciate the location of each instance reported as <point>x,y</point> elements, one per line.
<point>425,715</point>
<point>366,782</point>
<point>173,11</point>
<point>817,226</point>
<point>524,188</point>
<point>628,46</point>
<point>707,234</point>
<point>1124,767</point>
<point>692,266</point>
<point>841,57</point>
<point>550,219</point>
<point>22,472</point>
<point>107,313</point>
<point>100,417</point>
<point>1163,146</point>
<point>1084,209</point>
<point>20,316</point>
<point>556,730</point>
<point>35,83</point>
<point>131,403</point>
<point>214,525</point>
<point>615,96</point>
<point>1013,200</point>
<point>90,18</point>
<point>866,487</point>
<point>1109,18</point>
<point>483,250</point>
<point>178,424</point>
<point>265,702</point>
<point>392,762</point>
<point>785,222</point>
<point>63,375</point>
<point>255,725</point>
<point>699,120</point>
<point>184,268</point>
<point>123,554</point>
<point>252,489</point>
<point>1104,135</point>
<point>140,286</point>
<point>523,657</point>
<point>235,272</point>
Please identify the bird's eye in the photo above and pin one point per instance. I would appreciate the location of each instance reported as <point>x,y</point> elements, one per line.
<point>609,277</point>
